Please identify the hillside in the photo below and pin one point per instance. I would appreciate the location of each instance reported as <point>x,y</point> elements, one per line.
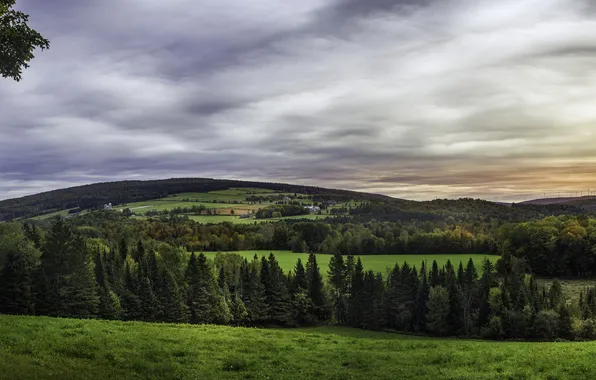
<point>45,348</point>
<point>95,195</point>
<point>213,193</point>
<point>587,203</point>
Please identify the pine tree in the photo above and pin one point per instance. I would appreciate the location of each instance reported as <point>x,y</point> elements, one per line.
<point>15,284</point>
<point>139,253</point>
<point>204,302</point>
<point>69,279</point>
<point>123,249</point>
<point>438,310</point>
<point>253,292</point>
<point>471,273</point>
<point>238,310</point>
<point>461,277</point>
<point>276,293</point>
<point>435,278</point>
<point>421,301</point>
<point>300,279</point>
<point>565,328</point>
<point>486,283</point>
<point>148,300</point>
<point>337,274</point>
<point>174,309</point>
<point>392,298</point>
<point>130,302</point>
<point>315,287</point>
<point>356,303</point>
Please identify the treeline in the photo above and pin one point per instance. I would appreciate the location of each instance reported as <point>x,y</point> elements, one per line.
<point>332,235</point>
<point>554,246</point>
<point>96,195</point>
<point>277,211</point>
<point>460,210</point>
<point>62,274</point>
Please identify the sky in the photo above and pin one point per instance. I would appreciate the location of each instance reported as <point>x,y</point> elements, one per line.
<point>416,99</point>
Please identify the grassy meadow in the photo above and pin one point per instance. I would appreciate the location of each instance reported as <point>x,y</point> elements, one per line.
<point>35,348</point>
<point>222,201</point>
<point>378,263</point>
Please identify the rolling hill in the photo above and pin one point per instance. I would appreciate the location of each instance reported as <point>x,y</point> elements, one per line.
<point>587,203</point>
<point>95,195</point>
<point>379,207</point>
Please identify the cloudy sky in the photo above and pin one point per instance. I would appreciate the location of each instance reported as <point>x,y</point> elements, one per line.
<point>411,98</point>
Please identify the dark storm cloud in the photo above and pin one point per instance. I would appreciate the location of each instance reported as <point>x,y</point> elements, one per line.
<point>410,98</point>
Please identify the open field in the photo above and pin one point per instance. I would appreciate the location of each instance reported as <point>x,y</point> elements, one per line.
<point>378,263</point>
<point>45,348</point>
<point>571,287</point>
<point>235,219</point>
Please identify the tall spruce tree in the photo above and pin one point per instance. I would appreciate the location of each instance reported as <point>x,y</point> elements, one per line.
<point>173,306</point>
<point>315,287</point>
<point>300,278</point>
<point>15,284</point>
<point>356,300</point>
<point>276,292</point>
<point>204,302</point>
<point>253,292</point>
<point>438,310</point>
<point>67,267</point>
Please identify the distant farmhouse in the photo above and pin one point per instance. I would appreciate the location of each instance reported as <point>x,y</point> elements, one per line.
<point>313,208</point>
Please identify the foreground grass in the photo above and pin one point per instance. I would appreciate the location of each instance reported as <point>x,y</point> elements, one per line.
<point>378,263</point>
<point>45,348</point>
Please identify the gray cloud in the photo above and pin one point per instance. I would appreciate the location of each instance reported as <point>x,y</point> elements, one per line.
<point>414,99</point>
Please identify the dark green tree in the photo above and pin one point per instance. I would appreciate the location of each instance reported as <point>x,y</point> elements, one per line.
<point>67,270</point>
<point>438,310</point>
<point>17,41</point>
<point>315,287</point>
<point>15,284</point>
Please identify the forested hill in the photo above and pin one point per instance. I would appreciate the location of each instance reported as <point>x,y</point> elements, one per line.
<point>465,209</point>
<point>95,195</point>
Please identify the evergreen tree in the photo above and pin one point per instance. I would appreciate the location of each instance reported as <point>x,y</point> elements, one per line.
<point>131,305</point>
<point>486,283</point>
<point>139,253</point>
<point>300,278</point>
<point>461,277</point>
<point>204,302</point>
<point>174,309</point>
<point>238,310</point>
<point>276,293</point>
<point>315,287</point>
<point>555,294</point>
<point>253,292</point>
<point>471,273</point>
<point>421,301</point>
<point>438,310</point>
<point>123,249</point>
<point>435,278</point>
<point>337,275</point>
<point>149,305</point>
<point>67,270</point>
<point>356,302</point>
<point>15,284</point>
<point>565,325</point>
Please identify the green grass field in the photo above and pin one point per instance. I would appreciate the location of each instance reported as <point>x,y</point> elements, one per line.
<point>378,263</point>
<point>35,348</point>
<point>237,220</point>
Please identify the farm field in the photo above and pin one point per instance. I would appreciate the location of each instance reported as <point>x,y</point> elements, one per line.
<point>237,220</point>
<point>377,263</point>
<point>45,348</point>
